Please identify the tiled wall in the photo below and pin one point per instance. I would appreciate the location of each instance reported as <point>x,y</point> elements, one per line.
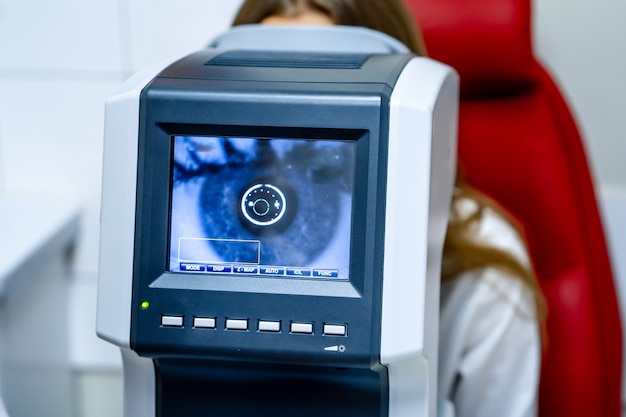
<point>58,63</point>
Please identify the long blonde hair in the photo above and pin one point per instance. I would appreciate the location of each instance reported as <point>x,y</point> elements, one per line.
<point>463,252</point>
<point>387,16</point>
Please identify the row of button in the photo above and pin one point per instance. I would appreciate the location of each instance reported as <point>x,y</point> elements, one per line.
<point>260,270</point>
<point>263,325</point>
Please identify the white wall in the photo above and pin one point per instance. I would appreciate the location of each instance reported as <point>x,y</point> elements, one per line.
<point>582,43</point>
<point>60,60</point>
<point>1,168</point>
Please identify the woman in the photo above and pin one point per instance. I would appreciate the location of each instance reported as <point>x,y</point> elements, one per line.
<point>491,307</point>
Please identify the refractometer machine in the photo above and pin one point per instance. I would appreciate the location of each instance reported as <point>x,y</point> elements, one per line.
<point>273,215</point>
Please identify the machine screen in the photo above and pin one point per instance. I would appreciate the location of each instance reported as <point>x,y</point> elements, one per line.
<point>270,207</point>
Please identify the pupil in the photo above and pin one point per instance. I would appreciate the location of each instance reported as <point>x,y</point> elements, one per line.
<point>261,207</point>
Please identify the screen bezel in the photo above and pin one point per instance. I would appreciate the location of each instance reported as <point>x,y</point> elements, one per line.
<point>157,164</point>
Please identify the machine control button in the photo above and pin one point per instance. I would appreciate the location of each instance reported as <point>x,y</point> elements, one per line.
<point>236,324</point>
<point>302,328</point>
<point>325,273</point>
<point>192,267</point>
<point>224,269</point>
<point>204,322</point>
<point>299,272</point>
<point>172,321</point>
<point>269,326</point>
<point>246,269</point>
<point>335,329</point>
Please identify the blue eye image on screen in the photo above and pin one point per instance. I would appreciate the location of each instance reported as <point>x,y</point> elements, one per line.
<point>262,206</point>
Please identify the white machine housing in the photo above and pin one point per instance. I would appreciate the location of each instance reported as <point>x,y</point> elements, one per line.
<point>421,157</point>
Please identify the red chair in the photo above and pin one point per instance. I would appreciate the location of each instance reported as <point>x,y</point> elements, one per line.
<point>519,144</point>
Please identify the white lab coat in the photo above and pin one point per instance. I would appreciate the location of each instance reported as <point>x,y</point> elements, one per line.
<point>490,348</point>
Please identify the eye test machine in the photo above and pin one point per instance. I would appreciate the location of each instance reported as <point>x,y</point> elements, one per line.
<point>273,216</point>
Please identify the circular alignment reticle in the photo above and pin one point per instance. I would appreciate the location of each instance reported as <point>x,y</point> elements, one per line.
<point>263,204</point>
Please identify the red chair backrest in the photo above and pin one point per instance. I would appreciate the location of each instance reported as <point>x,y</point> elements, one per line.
<point>519,144</point>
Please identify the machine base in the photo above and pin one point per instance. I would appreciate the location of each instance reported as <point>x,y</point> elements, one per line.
<point>187,388</point>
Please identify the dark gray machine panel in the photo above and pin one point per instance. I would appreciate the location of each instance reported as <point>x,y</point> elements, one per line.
<point>215,131</point>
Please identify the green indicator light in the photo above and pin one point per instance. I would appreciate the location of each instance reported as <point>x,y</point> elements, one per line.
<point>145,305</point>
